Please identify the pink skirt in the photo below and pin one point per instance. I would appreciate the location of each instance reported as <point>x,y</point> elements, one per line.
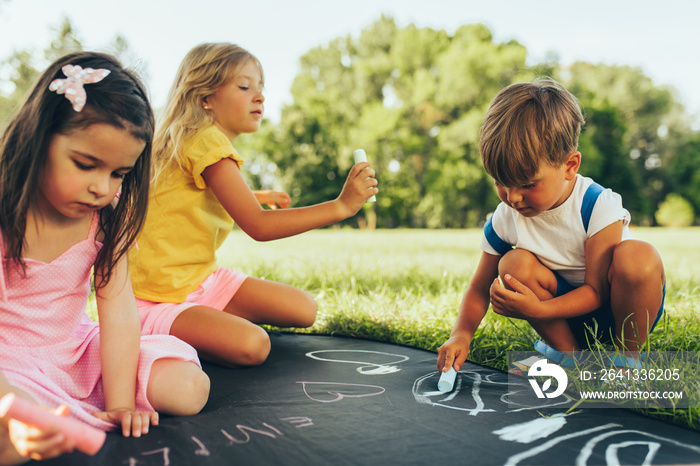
<point>215,291</point>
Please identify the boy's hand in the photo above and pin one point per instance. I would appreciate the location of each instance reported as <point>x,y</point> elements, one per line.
<point>521,303</point>
<point>40,444</point>
<point>133,422</point>
<point>454,352</point>
<point>359,186</point>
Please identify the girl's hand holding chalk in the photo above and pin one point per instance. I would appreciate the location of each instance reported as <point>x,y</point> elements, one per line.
<point>87,439</point>
<point>447,380</point>
<point>360,156</point>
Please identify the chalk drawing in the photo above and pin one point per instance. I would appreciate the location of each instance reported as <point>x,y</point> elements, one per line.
<point>299,421</point>
<point>426,397</point>
<point>202,451</point>
<point>611,450</point>
<point>366,367</point>
<point>612,458</point>
<point>165,451</point>
<point>424,392</point>
<point>515,459</point>
<point>528,432</point>
<point>587,450</point>
<point>339,391</point>
<point>245,437</point>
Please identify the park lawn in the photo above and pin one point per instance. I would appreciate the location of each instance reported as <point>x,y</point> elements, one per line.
<point>405,287</point>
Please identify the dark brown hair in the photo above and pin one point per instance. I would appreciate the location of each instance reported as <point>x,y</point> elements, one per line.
<point>526,125</point>
<point>119,100</point>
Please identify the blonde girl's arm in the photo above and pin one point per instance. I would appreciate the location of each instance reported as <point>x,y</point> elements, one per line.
<point>227,183</point>
<point>120,339</point>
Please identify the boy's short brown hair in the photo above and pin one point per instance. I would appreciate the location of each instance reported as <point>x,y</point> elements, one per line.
<point>528,124</point>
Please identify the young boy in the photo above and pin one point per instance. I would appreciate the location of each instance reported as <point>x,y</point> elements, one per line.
<point>559,241</point>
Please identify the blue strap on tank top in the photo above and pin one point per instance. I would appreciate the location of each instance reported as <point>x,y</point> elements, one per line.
<point>589,199</point>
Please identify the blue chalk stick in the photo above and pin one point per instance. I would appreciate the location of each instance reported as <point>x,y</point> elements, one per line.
<point>447,380</point>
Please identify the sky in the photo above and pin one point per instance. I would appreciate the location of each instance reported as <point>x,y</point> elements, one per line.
<point>660,38</point>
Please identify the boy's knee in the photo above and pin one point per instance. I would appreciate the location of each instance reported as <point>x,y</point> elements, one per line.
<point>518,263</point>
<point>636,262</point>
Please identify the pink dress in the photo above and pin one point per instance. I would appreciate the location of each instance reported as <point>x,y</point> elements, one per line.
<point>49,346</point>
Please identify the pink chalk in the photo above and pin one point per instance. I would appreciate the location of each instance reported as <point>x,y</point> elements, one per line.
<point>87,439</point>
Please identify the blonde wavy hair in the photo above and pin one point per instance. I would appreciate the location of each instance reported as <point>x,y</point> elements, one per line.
<point>204,69</point>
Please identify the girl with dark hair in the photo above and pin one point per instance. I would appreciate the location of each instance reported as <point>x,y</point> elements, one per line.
<point>74,177</point>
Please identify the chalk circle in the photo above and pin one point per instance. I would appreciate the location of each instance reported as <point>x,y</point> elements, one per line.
<point>381,367</point>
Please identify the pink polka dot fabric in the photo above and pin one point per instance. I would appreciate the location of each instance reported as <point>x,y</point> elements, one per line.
<point>49,346</point>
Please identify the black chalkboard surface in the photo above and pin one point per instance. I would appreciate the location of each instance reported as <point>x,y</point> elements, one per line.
<point>336,401</point>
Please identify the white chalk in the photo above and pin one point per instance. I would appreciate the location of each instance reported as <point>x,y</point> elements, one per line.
<point>87,439</point>
<point>447,380</point>
<point>360,156</point>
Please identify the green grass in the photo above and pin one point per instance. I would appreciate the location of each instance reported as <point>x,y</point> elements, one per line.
<point>405,286</point>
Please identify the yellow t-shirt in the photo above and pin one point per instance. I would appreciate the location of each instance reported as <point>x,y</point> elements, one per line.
<point>185,224</point>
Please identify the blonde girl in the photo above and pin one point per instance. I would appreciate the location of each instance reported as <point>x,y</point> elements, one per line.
<point>198,194</point>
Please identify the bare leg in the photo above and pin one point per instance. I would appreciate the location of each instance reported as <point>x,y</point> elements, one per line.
<point>221,337</point>
<point>233,338</point>
<point>636,289</point>
<point>177,387</point>
<point>266,302</point>
<point>528,270</point>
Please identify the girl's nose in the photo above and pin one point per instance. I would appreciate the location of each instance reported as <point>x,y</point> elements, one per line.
<point>260,97</point>
<point>100,186</point>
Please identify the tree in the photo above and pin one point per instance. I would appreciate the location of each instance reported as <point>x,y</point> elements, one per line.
<point>413,98</point>
<point>604,157</point>
<point>684,170</point>
<point>648,113</point>
<point>675,211</point>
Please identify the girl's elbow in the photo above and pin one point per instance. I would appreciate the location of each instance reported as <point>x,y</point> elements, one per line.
<point>259,235</point>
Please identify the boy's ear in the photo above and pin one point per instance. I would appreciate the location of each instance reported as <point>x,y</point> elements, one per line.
<point>573,162</point>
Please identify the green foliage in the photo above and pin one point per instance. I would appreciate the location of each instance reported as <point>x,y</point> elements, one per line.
<point>647,115</point>
<point>684,170</point>
<point>413,98</point>
<point>675,211</point>
<point>604,158</point>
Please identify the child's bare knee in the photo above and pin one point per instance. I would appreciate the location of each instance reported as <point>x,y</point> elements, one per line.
<point>518,263</point>
<point>199,387</point>
<point>308,311</point>
<point>636,262</point>
<point>193,393</point>
<point>255,348</point>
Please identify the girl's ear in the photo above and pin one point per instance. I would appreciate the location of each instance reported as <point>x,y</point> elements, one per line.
<point>573,162</point>
<point>204,103</point>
